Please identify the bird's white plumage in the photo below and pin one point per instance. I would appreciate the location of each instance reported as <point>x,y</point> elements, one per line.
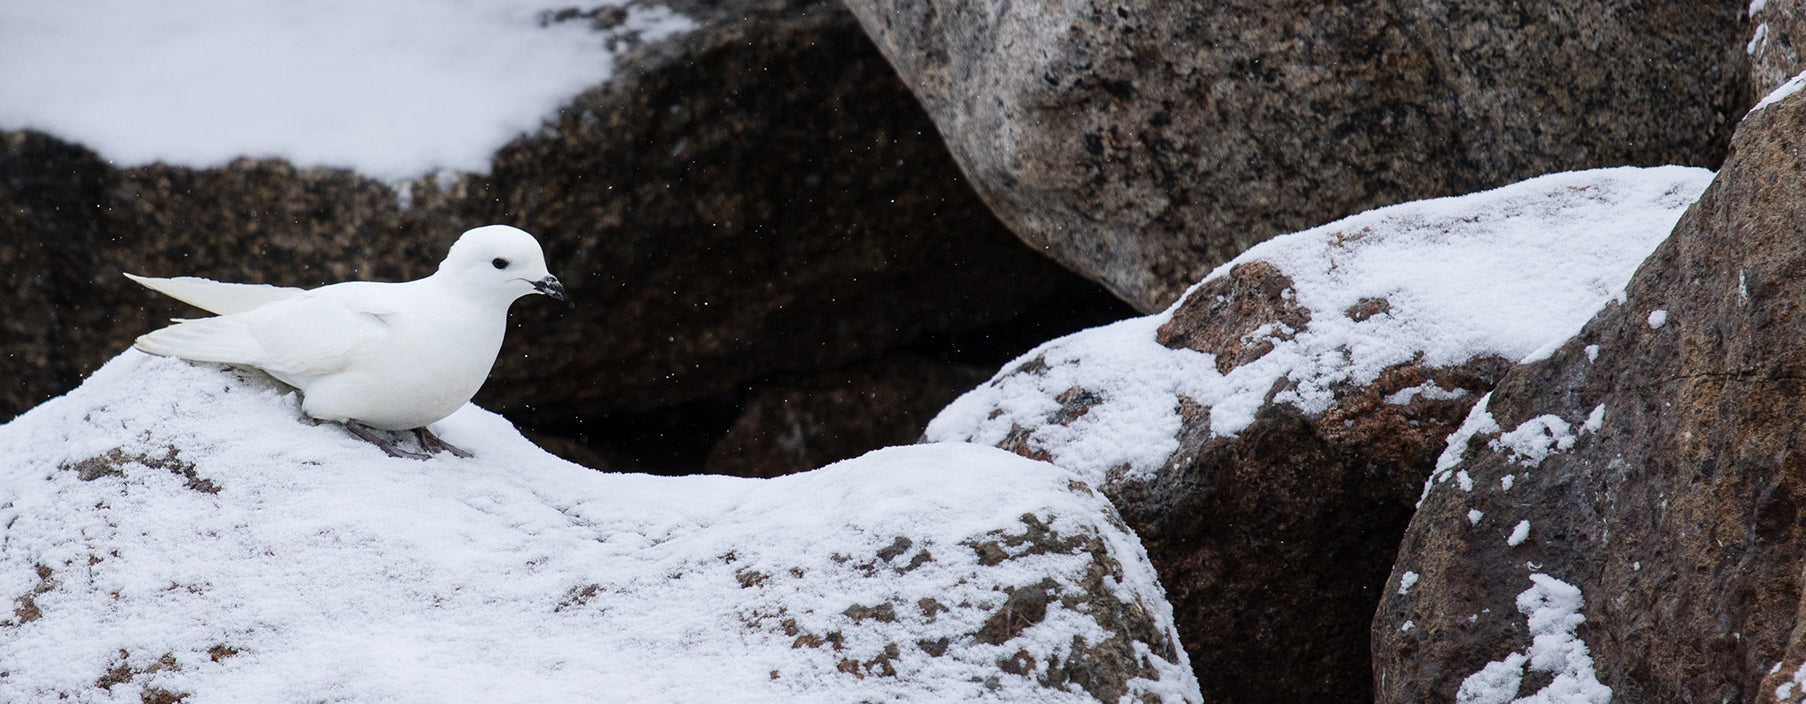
<point>395,356</point>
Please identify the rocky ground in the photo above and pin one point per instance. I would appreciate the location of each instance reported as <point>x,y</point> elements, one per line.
<point>1522,443</point>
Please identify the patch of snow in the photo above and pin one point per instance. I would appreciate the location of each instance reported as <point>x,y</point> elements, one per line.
<point>1657,319</point>
<point>1785,691</point>
<point>1793,85</point>
<point>1501,272</point>
<point>1518,534</point>
<point>1496,683</point>
<point>1406,581</point>
<point>1595,420</point>
<point>1506,481</point>
<point>1474,515</point>
<point>1756,6</point>
<point>1757,40</point>
<point>392,89</point>
<point>1428,390</point>
<point>1535,439</point>
<point>1408,626</point>
<point>1466,482</point>
<point>1592,353</point>
<point>1552,608</point>
<point>1478,422</point>
<point>280,561</point>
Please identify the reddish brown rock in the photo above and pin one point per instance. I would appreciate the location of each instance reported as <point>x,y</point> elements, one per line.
<point>1237,317</point>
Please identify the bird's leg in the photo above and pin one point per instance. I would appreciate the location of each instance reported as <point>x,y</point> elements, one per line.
<point>383,440</point>
<point>433,445</point>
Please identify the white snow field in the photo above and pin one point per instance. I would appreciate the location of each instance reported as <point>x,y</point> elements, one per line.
<point>177,529</point>
<point>394,89</point>
<point>1511,272</point>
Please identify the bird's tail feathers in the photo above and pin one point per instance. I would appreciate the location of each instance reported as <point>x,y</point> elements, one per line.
<point>204,340</point>
<point>218,297</point>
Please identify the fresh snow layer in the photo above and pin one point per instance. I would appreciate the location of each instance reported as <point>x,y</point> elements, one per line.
<point>1793,85</point>
<point>1505,272</point>
<point>394,89</point>
<point>319,569</point>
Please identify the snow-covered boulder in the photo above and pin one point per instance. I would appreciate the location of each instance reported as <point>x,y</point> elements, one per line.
<point>1623,519</point>
<point>1268,436</point>
<point>181,532</point>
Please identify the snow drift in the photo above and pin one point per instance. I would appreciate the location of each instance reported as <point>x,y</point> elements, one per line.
<point>175,529</point>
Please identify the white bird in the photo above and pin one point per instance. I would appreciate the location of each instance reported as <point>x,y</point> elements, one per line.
<point>370,355</point>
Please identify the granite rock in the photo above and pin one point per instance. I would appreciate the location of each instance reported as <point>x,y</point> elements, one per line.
<point>1143,143</point>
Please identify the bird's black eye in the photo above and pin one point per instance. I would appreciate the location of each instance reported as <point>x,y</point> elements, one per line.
<point>500,263</point>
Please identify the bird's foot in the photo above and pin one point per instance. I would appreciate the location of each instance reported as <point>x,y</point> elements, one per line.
<point>433,444</point>
<point>384,440</point>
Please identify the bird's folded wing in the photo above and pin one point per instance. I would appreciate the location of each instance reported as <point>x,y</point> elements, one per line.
<point>301,336</point>
<point>217,297</point>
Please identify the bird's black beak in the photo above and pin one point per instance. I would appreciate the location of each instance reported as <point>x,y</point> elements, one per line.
<point>550,286</point>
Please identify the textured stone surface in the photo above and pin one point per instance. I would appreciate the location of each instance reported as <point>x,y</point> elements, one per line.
<point>1142,143</point>
<point>1652,463</point>
<point>1776,34</point>
<point>756,199</point>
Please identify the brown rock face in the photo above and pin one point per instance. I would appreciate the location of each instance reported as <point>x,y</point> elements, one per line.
<point>1229,316</point>
<point>1293,522</point>
<point>1142,143</point>
<point>756,200</point>
<point>1652,463</point>
<point>795,426</point>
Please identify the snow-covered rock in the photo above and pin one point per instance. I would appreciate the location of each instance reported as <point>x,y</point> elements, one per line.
<point>1268,436</point>
<point>1647,478</point>
<point>174,530</point>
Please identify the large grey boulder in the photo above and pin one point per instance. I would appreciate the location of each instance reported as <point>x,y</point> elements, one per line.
<point>1622,520</point>
<point>1142,143</point>
<point>178,532</point>
<point>1269,435</point>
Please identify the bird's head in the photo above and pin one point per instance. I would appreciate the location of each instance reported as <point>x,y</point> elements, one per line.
<point>501,259</point>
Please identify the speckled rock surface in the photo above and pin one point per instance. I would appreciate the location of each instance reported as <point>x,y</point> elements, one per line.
<point>1142,143</point>
<point>1776,33</point>
<point>756,199</point>
<point>1649,469</point>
